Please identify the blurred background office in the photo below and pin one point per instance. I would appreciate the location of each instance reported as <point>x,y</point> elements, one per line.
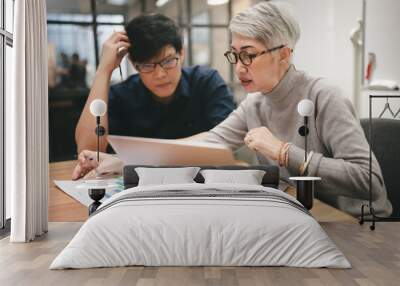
<point>78,28</point>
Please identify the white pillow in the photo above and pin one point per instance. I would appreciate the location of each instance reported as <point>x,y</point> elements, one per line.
<point>248,177</point>
<point>163,176</point>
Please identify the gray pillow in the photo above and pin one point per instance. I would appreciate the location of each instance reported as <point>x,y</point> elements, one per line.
<point>163,176</point>
<point>248,177</point>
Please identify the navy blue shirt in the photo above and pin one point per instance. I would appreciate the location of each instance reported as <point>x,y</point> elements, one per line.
<point>200,102</point>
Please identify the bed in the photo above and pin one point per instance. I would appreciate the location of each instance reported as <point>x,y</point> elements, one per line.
<point>201,223</point>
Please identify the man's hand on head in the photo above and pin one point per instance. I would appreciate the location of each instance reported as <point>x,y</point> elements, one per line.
<point>114,49</point>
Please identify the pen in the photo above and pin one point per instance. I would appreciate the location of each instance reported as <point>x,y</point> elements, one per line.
<point>119,66</point>
<point>120,71</point>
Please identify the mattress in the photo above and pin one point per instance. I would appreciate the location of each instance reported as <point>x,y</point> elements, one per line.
<point>201,225</point>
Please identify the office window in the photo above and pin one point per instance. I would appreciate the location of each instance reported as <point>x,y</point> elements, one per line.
<point>221,41</point>
<point>115,19</point>
<point>8,73</point>
<point>6,42</point>
<point>201,46</point>
<point>216,14</point>
<point>174,9</point>
<point>9,15</point>
<point>2,125</point>
<point>76,32</point>
<point>68,17</point>
<point>71,45</point>
<point>71,63</point>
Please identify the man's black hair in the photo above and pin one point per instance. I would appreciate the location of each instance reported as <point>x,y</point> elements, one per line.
<point>149,34</point>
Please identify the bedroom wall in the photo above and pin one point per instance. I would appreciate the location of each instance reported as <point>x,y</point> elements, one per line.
<point>383,38</point>
<point>324,48</point>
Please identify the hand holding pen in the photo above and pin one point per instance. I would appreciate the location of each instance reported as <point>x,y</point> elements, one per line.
<point>114,49</point>
<point>88,167</point>
<point>121,53</point>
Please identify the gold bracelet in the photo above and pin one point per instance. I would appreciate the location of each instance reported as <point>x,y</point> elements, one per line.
<point>283,154</point>
<point>280,154</point>
<point>287,155</point>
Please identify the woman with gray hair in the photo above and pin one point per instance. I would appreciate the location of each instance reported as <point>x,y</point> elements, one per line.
<point>263,39</point>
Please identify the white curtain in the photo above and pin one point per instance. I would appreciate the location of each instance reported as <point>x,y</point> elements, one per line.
<point>27,123</point>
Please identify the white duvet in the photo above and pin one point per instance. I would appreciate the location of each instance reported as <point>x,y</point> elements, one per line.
<point>206,230</point>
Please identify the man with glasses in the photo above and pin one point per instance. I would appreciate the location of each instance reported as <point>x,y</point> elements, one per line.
<point>165,99</point>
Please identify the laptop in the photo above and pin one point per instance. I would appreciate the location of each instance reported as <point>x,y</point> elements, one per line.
<point>164,152</point>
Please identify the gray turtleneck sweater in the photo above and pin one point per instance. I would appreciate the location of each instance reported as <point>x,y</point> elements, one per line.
<point>341,151</point>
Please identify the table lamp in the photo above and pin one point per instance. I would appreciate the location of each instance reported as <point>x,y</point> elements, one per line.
<point>305,184</point>
<point>97,187</point>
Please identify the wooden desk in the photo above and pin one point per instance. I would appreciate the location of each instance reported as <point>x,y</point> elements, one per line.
<point>64,208</point>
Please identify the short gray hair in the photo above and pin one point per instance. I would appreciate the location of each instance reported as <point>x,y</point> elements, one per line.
<point>271,23</point>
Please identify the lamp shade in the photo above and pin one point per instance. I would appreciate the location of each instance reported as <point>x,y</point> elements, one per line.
<point>98,107</point>
<point>305,107</point>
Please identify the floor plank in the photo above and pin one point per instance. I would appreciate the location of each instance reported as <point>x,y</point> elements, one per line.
<point>374,255</point>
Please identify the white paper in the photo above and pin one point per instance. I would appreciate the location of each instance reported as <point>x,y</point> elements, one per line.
<point>73,189</point>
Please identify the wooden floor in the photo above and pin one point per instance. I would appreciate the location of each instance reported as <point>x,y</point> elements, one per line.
<point>374,255</point>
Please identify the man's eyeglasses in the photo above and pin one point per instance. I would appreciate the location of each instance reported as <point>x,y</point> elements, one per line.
<point>168,63</point>
<point>245,57</point>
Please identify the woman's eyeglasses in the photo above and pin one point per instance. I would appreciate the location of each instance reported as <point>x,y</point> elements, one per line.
<point>245,57</point>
